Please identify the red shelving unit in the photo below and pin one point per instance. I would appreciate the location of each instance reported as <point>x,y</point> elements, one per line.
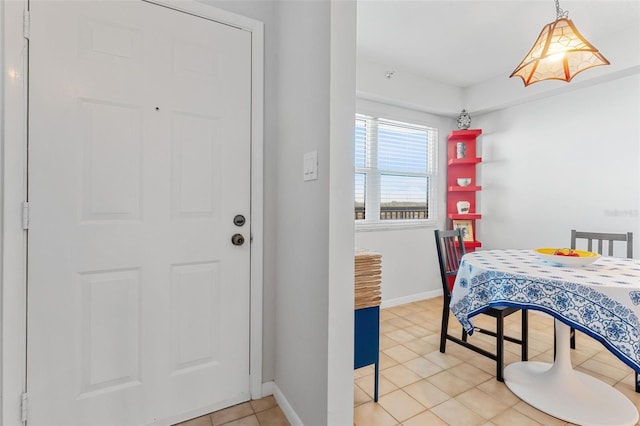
<point>463,168</point>
<point>470,188</point>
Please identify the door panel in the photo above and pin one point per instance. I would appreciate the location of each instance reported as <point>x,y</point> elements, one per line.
<point>138,303</point>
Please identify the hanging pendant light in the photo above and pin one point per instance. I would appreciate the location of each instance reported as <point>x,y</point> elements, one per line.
<point>559,53</point>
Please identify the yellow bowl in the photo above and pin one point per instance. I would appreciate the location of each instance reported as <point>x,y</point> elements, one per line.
<point>583,258</point>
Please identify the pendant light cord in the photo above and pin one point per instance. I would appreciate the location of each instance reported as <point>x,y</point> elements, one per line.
<point>559,12</point>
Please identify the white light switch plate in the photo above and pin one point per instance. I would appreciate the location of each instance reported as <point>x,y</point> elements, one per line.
<point>310,166</point>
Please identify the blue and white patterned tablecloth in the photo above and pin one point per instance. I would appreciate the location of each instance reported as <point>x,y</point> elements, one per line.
<point>601,299</point>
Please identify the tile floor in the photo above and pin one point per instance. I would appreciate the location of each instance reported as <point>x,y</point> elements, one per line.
<point>261,412</point>
<point>419,386</point>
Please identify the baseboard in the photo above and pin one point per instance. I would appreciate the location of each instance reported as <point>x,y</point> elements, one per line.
<point>270,388</point>
<point>412,298</point>
<point>267,389</point>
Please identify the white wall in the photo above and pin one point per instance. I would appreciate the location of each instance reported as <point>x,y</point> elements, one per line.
<point>409,263</point>
<point>309,222</point>
<point>303,218</point>
<point>308,276</point>
<point>340,350</point>
<point>566,161</point>
<point>406,90</point>
<point>409,260</point>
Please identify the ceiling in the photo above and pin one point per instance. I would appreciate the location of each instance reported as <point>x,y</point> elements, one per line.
<point>463,43</point>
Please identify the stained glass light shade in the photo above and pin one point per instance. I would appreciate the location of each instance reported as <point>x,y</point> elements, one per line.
<point>559,53</point>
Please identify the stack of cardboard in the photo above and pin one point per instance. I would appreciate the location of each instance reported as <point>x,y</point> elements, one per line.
<point>368,276</point>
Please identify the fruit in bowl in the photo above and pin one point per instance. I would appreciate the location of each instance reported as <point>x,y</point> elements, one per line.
<point>566,257</point>
<point>566,252</point>
<point>464,181</point>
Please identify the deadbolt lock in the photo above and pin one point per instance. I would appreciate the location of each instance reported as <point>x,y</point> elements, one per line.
<point>239,220</point>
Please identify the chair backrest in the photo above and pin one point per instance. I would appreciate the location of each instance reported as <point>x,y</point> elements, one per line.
<point>603,239</point>
<point>450,251</point>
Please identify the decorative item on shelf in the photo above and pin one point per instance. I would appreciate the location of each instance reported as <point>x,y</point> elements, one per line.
<point>463,207</point>
<point>559,53</point>
<point>461,150</point>
<point>467,229</point>
<point>464,181</point>
<point>464,121</point>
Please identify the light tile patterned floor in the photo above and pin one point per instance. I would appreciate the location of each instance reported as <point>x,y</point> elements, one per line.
<point>261,412</point>
<point>419,386</point>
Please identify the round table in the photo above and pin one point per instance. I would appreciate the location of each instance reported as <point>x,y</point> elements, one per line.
<point>602,299</point>
<point>560,391</point>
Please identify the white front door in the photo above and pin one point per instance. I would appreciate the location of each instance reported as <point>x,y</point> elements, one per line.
<point>139,160</point>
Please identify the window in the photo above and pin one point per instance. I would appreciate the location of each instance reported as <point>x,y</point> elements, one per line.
<point>394,170</point>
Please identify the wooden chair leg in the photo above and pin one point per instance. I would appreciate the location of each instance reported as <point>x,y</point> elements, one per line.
<point>465,335</point>
<point>500,348</point>
<point>572,334</point>
<point>444,328</point>
<point>524,336</point>
<point>637,383</point>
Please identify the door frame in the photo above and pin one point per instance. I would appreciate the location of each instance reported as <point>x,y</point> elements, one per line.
<point>13,187</point>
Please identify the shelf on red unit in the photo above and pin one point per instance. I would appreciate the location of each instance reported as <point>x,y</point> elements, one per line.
<point>464,134</point>
<point>464,216</point>
<point>465,188</point>
<point>471,244</point>
<point>464,161</point>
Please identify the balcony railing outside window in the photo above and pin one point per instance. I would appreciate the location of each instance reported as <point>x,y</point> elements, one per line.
<point>394,167</point>
<point>395,213</point>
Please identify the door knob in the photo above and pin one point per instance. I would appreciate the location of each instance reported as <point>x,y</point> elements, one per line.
<point>237,240</point>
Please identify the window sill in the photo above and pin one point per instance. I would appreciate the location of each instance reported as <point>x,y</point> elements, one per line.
<point>394,225</point>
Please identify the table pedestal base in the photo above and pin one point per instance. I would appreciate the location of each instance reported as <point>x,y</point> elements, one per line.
<point>570,395</point>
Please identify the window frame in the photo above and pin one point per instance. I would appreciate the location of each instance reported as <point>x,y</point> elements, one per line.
<point>372,198</point>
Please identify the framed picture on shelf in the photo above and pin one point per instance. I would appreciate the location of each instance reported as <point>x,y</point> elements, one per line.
<point>467,229</point>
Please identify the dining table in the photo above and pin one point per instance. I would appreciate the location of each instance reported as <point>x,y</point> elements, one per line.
<point>601,299</point>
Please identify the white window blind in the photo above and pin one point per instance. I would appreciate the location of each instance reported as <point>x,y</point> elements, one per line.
<point>394,170</point>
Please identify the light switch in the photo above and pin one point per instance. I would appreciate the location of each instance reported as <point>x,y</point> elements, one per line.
<point>310,166</point>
